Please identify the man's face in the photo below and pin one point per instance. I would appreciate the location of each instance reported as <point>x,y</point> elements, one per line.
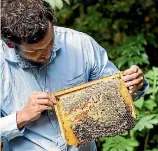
<point>39,52</point>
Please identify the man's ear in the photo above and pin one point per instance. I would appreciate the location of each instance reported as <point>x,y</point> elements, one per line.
<point>10,45</point>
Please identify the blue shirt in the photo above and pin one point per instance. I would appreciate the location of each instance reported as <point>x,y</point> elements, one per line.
<point>76,58</point>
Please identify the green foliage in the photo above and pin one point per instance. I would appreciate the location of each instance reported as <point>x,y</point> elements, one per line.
<point>155,149</point>
<point>57,3</point>
<point>147,110</point>
<point>111,22</point>
<point>148,121</point>
<point>134,45</point>
<point>152,77</point>
<point>118,144</point>
<point>129,32</point>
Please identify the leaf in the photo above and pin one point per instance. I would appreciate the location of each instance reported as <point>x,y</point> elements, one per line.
<point>131,51</point>
<point>119,143</point>
<point>150,90</point>
<point>128,148</point>
<point>113,149</point>
<point>147,122</point>
<point>150,104</point>
<point>139,103</point>
<point>57,3</point>
<point>132,143</point>
<point>154,149</point>
<point>67,1</point>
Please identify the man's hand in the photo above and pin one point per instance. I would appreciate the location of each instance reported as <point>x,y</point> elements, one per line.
<point>133,78</point>
<point>38,102</point>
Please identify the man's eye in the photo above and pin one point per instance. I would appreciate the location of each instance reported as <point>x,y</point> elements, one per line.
<point>37,50</point>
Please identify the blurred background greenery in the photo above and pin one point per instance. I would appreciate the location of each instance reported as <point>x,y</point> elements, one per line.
<point>128,30</point>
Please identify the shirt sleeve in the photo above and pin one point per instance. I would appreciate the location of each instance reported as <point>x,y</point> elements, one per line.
<point>101,66</point>
<point>8,127</point>
<point>8,124</point>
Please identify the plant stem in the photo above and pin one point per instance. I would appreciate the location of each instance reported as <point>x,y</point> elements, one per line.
<point>154,85</point>
<point>132,134</point>
<point>81,10</point>
<point>146,139</point>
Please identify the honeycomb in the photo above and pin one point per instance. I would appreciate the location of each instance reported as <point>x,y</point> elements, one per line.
<point>95,109</point>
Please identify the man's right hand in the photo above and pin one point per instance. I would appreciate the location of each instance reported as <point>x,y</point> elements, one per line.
<point>38,102</point>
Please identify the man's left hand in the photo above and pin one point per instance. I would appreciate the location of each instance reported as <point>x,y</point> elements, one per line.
<point>133,78</point>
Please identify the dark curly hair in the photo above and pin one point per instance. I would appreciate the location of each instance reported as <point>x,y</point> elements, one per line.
<point>25,20</point>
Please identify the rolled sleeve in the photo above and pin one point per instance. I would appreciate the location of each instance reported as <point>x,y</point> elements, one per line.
<point>8,127</point>
<point>141,92</point>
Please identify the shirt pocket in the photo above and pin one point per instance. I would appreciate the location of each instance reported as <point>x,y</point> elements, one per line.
<point>76,75</point>
<point>75,80</point>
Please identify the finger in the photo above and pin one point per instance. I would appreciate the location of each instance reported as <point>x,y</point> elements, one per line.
<point>42,95</point>
<point>134,66</point>
<point>134,82</point>
<point>131,70</point>
<point>43,108</point>
<point>46,102</point>
<point>53,98</point>
<point>131,87</point>
<point>131,77</point>
<point>139,86</point>
<point>132,90</point>
<point>35,92</point>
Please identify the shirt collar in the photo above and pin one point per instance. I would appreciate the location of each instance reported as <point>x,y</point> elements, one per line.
<point>12,56</point>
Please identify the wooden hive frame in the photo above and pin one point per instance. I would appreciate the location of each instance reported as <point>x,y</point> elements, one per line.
<point>64,120</point>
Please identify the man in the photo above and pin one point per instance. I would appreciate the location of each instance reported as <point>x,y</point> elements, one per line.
<point>45,59</point>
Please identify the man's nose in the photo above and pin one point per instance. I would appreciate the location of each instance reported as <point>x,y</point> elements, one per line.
<point>50,47</point>
<point>48,53</point>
